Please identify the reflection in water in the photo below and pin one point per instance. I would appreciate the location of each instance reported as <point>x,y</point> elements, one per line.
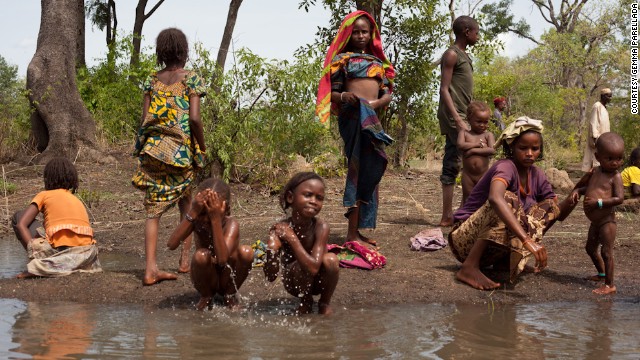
<point>13,257</point>
<point>589,330</point>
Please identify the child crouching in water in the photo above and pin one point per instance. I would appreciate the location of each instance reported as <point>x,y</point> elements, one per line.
<point>67,245</point>
<point>220,264</point>
<point>602,189</point>
<point>299,243</point>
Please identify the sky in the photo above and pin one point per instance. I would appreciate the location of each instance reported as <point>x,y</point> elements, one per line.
<point>271,31</point>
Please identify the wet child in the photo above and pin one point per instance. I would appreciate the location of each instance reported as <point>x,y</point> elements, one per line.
<point>299,244</point>
<point>220,264</point>
<point>631,176</point>
<point>602,191</point>
<point>476,146</point>
<point>170,145</point>
<point>67,244</point>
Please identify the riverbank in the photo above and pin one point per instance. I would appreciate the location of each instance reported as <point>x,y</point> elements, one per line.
<point>410,202</point>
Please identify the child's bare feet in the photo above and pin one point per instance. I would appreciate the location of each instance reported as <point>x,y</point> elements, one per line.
<point>364,241</point>
<point>184,266</point>
<point>25,275</point>
<point>204,302</point>
<point>306,305</point>
<point>530,269</point>
<point>157,276</point>
<point>476,279</point>
<point>231,302</point>
<point>324,309</point>
<point>595,278</point>
<point>605,289</point>
<point>446,221</point>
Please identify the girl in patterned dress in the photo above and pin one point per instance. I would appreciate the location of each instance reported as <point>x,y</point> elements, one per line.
<point>170,145</point>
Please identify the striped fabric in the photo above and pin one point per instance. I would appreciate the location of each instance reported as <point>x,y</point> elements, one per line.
<point>339,43</point>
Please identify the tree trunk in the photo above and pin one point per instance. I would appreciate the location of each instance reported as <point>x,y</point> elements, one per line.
<point>60,123</point>
<point>138,23</point>
<point>403,136</point>
<point>373,7</point>
<point>216,164</point>
<point>234,6</point>
<point>79,22</point>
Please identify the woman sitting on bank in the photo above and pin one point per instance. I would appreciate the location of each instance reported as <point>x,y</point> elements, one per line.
<point>509,210</point>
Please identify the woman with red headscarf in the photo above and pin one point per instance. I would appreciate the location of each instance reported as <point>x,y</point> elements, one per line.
<point>356,83</point>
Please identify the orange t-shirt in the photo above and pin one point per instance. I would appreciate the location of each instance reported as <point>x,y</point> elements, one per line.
<point>66,222</point>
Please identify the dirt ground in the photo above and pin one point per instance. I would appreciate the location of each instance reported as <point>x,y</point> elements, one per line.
<point>410,201</point>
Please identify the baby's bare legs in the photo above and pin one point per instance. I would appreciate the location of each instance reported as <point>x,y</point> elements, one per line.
<point>592,246</point>
<point>204,277</point>
<point>607,236</point>
<point>326,282</point>
<point>185,254</point>
<point>467,185</point>
<point>152,274</point>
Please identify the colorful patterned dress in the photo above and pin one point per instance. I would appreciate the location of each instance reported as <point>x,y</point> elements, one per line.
<point>165,148</point>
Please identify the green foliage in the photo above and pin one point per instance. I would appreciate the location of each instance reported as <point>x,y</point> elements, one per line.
<point>260,113</point>
<point>90,198</point>
<point>112,91</point>
<point>15,114</point>
<point>7,187</point>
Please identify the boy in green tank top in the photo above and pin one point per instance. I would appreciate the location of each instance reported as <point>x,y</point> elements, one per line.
<point>456,88</point>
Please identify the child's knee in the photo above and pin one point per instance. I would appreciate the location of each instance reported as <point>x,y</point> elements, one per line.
<point>201,257</point>
<point>330,262</point>
<point>245,253</point>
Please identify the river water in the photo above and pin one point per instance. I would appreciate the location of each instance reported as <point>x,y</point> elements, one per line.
<point>561,330</point>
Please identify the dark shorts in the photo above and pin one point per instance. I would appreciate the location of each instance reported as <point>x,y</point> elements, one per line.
<point>451,162</point>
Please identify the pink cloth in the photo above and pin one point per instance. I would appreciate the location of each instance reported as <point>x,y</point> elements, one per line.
<point>428,240</point>
<point>355,256</point>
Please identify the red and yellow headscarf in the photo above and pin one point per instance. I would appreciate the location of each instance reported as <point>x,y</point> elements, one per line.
<point>339,43</point>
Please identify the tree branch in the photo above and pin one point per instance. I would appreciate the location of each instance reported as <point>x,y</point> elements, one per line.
<point>153,9</point>
<point>524,35</point>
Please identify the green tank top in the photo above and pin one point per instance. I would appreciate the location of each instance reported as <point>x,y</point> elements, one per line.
<point>460,89</point>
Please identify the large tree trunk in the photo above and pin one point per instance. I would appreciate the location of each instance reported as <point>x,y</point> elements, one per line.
<point>138,23</point>
<point>216,165</point>
<point>61,125</point>
<point>79,22</point>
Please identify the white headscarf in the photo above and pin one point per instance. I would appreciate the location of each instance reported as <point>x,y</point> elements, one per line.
<point>516,128</point>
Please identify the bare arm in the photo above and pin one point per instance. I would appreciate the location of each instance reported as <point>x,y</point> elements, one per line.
<point>224,241</point>
<point>309,262</point>
<point>23,224</point>
<point>195,122</point>
<point>617,193</point>
<point>448,61</point>
<point>503,210</point>
<point>464,144</point>
<point>185,227</point>
<point>382,102</point>
<point>635,190</point>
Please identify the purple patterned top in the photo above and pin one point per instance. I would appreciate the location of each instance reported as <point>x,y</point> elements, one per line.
<point>506,171</point>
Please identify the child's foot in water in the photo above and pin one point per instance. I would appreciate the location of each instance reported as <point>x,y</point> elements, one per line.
<point>324,309</point>
<point>204,302</point>
<point>157,276</point>
<point>231,302</point>
<point>605,289</point>
<point>306,305</point>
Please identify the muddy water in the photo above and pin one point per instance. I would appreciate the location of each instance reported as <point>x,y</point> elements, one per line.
<point>588,330</point>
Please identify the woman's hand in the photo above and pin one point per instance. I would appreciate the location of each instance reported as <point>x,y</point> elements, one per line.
<point>575,197</point>
<point>538,251</point>
<point>590,204</point>
<point>349,97</point>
